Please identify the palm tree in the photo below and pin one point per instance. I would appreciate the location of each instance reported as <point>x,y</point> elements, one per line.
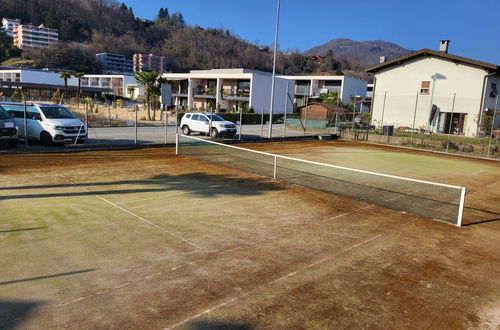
<point>148,80</point>
<point>65,76</point>
<point>130,91</point>
<point>79,76</point>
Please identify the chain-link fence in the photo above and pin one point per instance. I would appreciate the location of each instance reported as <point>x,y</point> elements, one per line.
<point>447,123</point>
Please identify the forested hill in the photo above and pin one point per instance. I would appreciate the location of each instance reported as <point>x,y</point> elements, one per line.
<point>88,27</point>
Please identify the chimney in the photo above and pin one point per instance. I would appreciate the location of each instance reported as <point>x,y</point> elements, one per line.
<point>443,46</point>
<point>382,59</point>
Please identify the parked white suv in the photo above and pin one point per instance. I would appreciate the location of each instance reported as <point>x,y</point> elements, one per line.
<point>200,122</point>
<point>47,123</point>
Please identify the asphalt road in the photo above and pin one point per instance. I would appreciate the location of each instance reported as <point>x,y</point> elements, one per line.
<point>125,136</point>
<point>149,135</point>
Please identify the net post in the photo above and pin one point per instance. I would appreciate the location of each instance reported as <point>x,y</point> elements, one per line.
<point>176,144</point>
<point>275,167</point>
<point>461,207</point>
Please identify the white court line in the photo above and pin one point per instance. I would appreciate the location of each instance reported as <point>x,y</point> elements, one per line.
<point>138,217</point>
<point>148,222</point>
<point>193,317</point>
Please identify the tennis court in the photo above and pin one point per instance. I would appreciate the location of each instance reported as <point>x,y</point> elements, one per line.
<point>148,239</point>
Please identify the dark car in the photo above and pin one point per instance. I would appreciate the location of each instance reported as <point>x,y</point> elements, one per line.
<point>8,129</point>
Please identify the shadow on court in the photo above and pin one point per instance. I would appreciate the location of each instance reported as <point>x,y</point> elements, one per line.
<point>13,312</point>
<point>47,276</point>
<point>21,229</point>
<point>199,184</point>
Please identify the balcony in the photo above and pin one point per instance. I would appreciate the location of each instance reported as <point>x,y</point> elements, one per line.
<point>236,94</point>
<point>325,89</point>
<point>182,92</point>
<point>203,92</point>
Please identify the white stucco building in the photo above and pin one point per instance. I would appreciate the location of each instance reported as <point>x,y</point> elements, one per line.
<point>117,83</point>
<point>434,91</point>
<point>230,89</point>
<point>8,26</point>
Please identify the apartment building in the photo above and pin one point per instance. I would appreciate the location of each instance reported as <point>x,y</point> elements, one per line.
<point>308,88</point>
<point>150,62</point>
<point>117,84</point>
<point>8,25</point>
<point>434,91</point>
<point>230,89</point>
<point>27,35</point>
<point>114,63</point>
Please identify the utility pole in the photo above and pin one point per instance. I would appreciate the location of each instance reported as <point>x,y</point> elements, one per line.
<point>274,72</point>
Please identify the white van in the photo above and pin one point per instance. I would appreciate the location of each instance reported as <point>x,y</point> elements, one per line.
<point>47,123</point>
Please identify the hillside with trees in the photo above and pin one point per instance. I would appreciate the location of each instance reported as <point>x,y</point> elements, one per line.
<point>87,27</point>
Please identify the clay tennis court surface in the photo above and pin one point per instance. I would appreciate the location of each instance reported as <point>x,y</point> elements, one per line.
<point>146,239</point>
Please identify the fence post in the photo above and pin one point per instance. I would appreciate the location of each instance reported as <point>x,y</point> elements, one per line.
<point>286,108</point>
<point>166,124</point>
<point>136,111</point>
<point>25,124</point>
<point>305,121</point>
<point>383,111</point>
<point>275,166</point>
<point>262,124</point>
<point>87,115</point>
<point>241,123</point>
<point>176,143</point>
<point>492,126</point>
<point>451,121</point>
<point>414,117</point>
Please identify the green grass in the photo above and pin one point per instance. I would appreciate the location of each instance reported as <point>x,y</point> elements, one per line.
<point>16,61</point>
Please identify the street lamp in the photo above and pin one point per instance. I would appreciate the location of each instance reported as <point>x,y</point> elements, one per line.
<point>274,72</point>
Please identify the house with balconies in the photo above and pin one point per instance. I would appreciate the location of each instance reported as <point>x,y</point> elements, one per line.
<point>309,88</point>
<point>230,90</point>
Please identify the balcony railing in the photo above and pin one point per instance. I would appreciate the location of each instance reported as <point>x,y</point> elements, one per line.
<point>180,91</point>
<point>302,90</point>
<point>201,91</point>
<point>322,90</point>
<point>241,94</point>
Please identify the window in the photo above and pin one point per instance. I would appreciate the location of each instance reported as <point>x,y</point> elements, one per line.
<point>194,117</point>
<point>493,90</point>
<point>243,84</point>
<point>424,88</point>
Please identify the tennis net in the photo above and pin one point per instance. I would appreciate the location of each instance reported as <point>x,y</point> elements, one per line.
<point>424,198</point>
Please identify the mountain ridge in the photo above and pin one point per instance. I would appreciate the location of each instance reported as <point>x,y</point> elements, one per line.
<point>367,53</point>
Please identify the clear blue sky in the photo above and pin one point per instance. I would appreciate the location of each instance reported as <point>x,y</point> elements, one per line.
<point>472,26</point>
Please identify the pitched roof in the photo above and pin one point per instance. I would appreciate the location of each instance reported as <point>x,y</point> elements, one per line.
<point>429,52</point>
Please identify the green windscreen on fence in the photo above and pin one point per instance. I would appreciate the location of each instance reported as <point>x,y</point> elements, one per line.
<point>428,199</point>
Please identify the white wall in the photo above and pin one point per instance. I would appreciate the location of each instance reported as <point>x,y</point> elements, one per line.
<point>352,86</point>
<point>41,77</point>
<point>402,83</point>
<point>260,94</point>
